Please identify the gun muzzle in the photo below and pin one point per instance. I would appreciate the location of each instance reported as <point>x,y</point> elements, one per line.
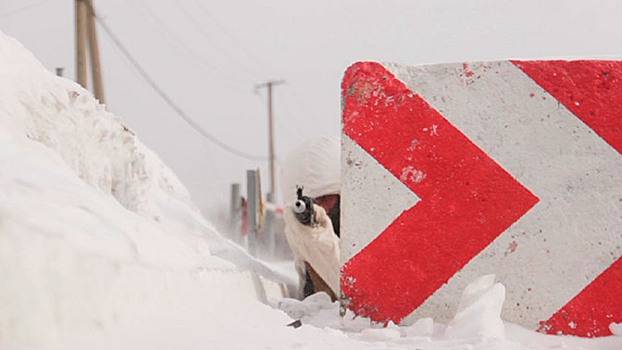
<point>303,209</point>
<point>300,206</point>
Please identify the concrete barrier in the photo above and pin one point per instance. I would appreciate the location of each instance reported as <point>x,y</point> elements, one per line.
<point>454,171</point>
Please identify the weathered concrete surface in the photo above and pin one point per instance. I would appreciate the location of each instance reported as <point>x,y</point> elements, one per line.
<point>459,170</point>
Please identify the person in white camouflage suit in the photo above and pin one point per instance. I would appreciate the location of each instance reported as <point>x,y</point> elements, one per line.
<point>315,166</point>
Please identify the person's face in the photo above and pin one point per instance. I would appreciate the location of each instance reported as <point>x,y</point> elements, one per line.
<point>327,202</point>
<point>330,203</point>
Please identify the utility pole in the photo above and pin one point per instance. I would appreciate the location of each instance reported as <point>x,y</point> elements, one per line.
<point>81,14</point>
<point>269,85</point>
<point>96,72</point>
<point>87,31</point>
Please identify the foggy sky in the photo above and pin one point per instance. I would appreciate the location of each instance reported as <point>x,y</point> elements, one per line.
<point>208,55</point>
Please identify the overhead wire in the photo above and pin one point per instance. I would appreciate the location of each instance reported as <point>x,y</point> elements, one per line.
<point>254,58</point>
<point>212,41</point>
<point>139,76</point>
<point>23,8</point>
<point>279,121</point>
<point>201,6</point>
<point>168,100</point>
<point>177,41</point>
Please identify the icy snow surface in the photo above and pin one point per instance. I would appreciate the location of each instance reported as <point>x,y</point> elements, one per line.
<point>476,326</point>
<point>102,248</point>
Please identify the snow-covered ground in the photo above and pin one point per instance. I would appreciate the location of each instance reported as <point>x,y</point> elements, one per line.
<point>477,325</point>
<point>102,248</point>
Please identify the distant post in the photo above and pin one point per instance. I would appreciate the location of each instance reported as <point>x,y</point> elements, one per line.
<point>252,196</point>
<point>234,211</point>
<point>269,228</point>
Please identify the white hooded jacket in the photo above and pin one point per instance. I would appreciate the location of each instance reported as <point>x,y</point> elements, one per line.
<point>315,165</point>
<point>317,245</point>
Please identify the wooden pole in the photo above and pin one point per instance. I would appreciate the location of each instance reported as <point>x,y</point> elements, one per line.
<point>81,17</point>
<point>98,84</point>
<point>252,200</point>
<point>235,208</point>
<point>271,154</point>
<point>271,140</point>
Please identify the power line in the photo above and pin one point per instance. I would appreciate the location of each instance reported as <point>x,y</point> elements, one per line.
<point>177,41</point>
<point>131,67</point>
<point>209,38</point>
<point>201,6</point>
<point>143,73</point>
<point>23,8</point>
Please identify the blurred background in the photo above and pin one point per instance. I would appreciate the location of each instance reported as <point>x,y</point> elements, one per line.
<point>208,61</point>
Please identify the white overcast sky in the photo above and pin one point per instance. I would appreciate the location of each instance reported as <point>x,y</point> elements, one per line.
<point>208,55</point>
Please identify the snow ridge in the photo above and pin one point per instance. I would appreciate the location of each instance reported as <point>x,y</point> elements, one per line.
<point>96,144</point>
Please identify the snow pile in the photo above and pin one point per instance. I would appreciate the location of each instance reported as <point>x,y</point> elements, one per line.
<point>99,239</point>
<point>479,311</point>
<point>477,325</point>
<point>95,144</point>
<point>35,105</point>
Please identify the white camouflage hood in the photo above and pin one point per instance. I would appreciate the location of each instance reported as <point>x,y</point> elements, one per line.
<point>316,165</point>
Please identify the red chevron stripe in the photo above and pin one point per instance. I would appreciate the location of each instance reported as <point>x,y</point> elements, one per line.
<point>467,198</point>
<point>592,91</point>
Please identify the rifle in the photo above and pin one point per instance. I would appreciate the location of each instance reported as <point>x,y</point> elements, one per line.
<point>303,208</point>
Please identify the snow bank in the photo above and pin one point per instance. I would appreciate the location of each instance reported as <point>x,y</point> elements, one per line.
<point>477,325</point>
<point>97,236</point>
<point>95,145</point>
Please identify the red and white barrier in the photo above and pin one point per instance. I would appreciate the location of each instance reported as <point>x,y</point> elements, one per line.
<point>454,171</point>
